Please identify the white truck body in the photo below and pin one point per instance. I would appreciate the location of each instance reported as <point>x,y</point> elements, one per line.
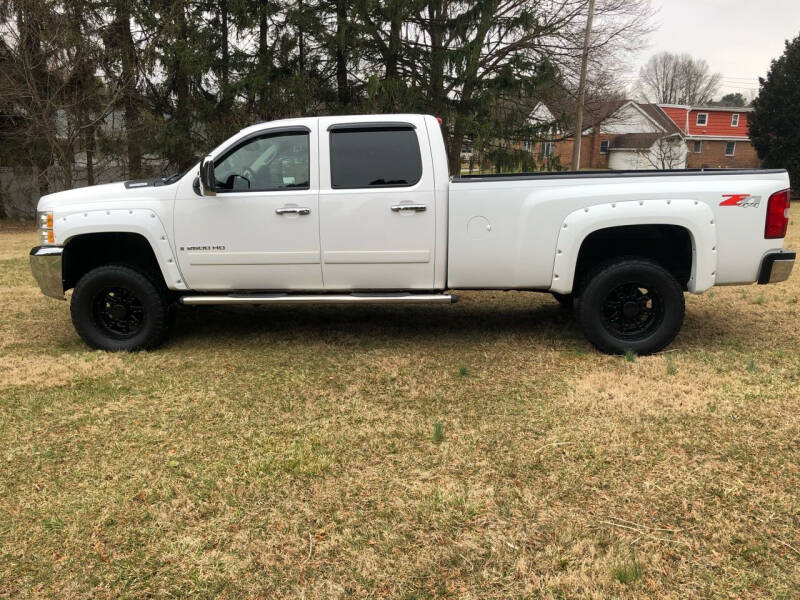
<point>523,232</point>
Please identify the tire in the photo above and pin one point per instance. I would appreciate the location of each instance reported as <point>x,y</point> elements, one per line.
<point>565,301</point>
<point>118,308</point>
<point>631,304</point>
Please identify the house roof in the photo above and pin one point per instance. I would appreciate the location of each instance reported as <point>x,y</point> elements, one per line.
<point>659,116</point>
<point>595,111</point>
<point>599,111</point>
<point>635,141</point>
<point>731,109</point>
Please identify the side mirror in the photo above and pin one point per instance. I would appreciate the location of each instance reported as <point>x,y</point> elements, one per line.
<point>208,181</point>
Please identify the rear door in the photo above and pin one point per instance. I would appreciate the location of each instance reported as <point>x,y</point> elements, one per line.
<point>377,204</point>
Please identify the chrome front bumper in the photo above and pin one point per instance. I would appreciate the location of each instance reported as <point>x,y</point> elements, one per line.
<point>776,266</point>
<point>46,269</point>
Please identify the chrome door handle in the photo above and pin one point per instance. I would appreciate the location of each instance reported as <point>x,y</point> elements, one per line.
<point>293,210</point>
<point>409,207</point>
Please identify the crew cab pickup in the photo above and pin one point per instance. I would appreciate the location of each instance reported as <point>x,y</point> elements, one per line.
<point>361,209</point>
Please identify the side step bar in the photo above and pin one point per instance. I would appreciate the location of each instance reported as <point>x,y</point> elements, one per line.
<point>401,298</point>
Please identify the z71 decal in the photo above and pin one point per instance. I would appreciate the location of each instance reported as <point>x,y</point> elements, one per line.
<point>742,200</point>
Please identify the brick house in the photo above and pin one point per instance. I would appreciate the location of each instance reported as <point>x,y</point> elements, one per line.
<point>625,134</point>
<point>715,136</point>
<point>618,135</point>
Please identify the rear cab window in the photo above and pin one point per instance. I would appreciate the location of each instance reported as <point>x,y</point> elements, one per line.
<point>374,156</point>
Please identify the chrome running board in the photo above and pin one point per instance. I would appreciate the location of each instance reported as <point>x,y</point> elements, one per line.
<point>389,298</point>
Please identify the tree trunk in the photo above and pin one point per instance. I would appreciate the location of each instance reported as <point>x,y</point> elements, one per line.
<point>264,65</point>
<point>42,117</point>
<point>454,146</point>
<point>436,92</point>
<point>392,83</point>
<point>185,156</point>
<point>342,88</point>
<point>123,40</point>
<point>40,179</point>
<point>66,154</point>
<point>436,89</point>
<point>301,39</point>
<point>224,69</point>
<point>90,150</point>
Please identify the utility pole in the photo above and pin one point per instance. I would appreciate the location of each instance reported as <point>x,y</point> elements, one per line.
<point>576,149</point>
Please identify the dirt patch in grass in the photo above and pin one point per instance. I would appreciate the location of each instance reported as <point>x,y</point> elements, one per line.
<point>54,370</point>
<point>650,385</point>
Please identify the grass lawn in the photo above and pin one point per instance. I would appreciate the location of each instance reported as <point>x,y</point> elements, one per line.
<point>481,450</point>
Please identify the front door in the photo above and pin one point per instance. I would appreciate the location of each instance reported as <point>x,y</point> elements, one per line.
<point>261,230</point>
<point>377,205</point>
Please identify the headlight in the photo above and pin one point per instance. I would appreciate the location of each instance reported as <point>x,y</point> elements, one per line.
<point>45,220</point>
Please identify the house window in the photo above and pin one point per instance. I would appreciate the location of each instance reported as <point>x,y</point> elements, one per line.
<point>702,119</point>
<point>527,146</point>
<point>698,147</point>
<point>548,148</point>
<point>730,148</point>
<point>604,147</point>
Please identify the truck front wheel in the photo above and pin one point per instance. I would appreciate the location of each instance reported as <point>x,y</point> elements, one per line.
<point>118,308</point>
<point>631,304</point>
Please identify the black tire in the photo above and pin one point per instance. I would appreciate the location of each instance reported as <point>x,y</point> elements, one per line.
<point>118,308</point>
<point>565,301</point>
<point>631,304</point>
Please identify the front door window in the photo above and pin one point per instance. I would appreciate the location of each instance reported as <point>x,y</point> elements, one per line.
<point>263,164</point>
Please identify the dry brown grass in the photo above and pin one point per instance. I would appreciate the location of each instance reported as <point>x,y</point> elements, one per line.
<point>290,453</point>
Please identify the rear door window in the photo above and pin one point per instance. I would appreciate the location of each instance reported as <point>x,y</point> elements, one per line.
<point>375,157</point>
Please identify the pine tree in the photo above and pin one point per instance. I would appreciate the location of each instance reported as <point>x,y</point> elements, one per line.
<point>775,122</point>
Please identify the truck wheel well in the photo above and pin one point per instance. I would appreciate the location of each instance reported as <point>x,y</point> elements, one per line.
<point>667,245</point>
<point>88,251</point>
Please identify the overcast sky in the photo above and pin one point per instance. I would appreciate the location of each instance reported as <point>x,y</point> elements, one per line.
<point>738,38</point>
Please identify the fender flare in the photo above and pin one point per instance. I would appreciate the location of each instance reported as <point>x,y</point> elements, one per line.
<point>694,216</point>
<point>141,221</point>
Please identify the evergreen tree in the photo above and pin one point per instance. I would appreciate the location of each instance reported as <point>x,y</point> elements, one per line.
<point>775,122</point>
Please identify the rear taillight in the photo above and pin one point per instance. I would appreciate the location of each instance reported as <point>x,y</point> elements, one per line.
<point>777,215</point>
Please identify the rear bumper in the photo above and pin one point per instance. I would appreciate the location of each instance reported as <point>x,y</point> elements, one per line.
<point>776,266</point>
<point>46,269</point>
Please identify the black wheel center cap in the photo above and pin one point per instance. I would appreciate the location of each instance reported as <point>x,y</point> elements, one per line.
<point>631,309</point>
<point>119,312</point>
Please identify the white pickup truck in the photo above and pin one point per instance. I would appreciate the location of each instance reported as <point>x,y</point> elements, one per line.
<point>361,209</point>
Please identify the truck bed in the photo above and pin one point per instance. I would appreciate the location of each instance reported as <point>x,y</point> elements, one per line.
<point>506,231</point>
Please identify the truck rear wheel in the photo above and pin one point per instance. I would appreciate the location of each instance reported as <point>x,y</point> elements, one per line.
<point>631,304</point>
<point>118,308</point>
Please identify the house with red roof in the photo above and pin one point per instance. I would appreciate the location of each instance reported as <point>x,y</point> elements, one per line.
<point>716,137</point>
<point>625,134</point>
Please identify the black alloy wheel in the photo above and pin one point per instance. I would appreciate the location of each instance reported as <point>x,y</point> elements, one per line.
<point>119,312</point>
<point>117,307</point>
<point>631,304</point>
<point>632,312</point>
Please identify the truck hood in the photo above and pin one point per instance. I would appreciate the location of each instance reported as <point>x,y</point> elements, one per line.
<point>140,189</point>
